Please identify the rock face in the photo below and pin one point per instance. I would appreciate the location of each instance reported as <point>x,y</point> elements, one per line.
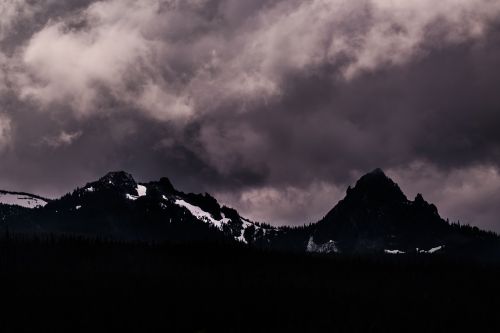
<point>374,217</point>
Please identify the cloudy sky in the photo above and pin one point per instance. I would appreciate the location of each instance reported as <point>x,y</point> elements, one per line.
<point>273,106</point>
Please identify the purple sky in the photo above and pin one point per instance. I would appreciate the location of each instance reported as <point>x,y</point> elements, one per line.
<point>273,106</point>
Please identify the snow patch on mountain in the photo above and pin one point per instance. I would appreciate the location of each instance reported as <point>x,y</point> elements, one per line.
<point>435,249</point>
<point>432,250</point>
<point>19,199</point>
<point>131,197</point>
<point>244,226</point>
<point>201,215</point>
<point>141,191</point>
<point>394,252</point>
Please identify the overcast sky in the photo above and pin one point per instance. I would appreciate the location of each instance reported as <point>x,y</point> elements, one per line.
<point>273,106</point>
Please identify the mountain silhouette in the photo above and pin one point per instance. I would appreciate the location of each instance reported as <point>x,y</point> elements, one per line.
<point>374,217</point>
<point>117,207</point>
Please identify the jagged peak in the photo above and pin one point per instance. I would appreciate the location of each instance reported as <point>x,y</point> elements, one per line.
<point>419,198</point>
<point>118,173</point>
<point>118,177</point>
<point>166,184</point>
<point>377,185</point>
<point>420,202</point>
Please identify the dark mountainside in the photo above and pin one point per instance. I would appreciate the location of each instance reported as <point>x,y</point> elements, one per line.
<point>374,217</point>
<point>116,255</point>
<point>116,207</point>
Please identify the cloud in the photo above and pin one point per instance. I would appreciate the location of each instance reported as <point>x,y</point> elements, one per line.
<point>104,51</point>
<point>63,139</point>
<point>264,100</point>
<point>12,11</point>
<point>5,132</point>
<point>285,205</point>
<point>172,60</point>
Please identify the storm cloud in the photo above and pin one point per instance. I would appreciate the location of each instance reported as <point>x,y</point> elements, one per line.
<point>274,106</point>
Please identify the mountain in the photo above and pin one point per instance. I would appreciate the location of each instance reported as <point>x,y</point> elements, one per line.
<point>374,217</point>
<point>117,207</point>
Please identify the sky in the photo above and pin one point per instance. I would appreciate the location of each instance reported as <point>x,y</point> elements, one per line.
<point>272,106</point>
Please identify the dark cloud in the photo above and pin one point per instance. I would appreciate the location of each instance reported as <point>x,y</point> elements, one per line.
<point>275,106</point>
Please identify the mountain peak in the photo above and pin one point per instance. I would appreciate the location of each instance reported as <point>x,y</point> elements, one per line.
<point>419,198</point>
<point>118,178</point>
<point>377,171</point>
<point>376,175</point>
<point>375,213</point>
<point>166,184</point>
<point>377,187</point>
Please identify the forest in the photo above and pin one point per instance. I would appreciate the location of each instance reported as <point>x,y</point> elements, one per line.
<point>76,284</point>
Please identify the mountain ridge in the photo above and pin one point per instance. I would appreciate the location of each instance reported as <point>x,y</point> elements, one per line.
<point>375,216</point>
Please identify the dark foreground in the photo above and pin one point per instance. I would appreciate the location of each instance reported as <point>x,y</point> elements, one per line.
<point>77,285</point>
